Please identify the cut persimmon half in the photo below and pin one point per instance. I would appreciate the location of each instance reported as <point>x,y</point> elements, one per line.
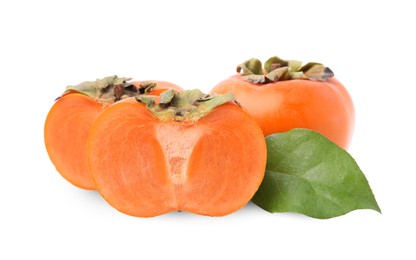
<point>71,117</point>
<point>189,152</point>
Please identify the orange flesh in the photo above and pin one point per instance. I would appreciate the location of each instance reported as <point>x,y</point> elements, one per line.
<point>66,131</point>
<point>227,164</point>
<point>145,167</point>
<point>325,107</point>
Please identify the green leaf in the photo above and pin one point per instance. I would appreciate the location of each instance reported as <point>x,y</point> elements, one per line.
<point>308,174</point>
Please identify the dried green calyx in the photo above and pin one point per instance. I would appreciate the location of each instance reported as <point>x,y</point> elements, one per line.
<point>111,89</point>
<point>276,69</point>
<point>187,105</point>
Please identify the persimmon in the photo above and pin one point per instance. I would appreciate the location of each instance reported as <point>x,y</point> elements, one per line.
<point>189,152</point>
<point>71,117</point>
<point>285,95</point>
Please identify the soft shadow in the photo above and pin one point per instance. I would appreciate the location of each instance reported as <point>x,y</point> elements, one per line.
<point>89,196</point>
<point>248,212</point>
<point>252,210</point>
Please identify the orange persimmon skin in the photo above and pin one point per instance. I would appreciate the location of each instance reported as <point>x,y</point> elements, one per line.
<point>280,106</point>
<point>146,167</point>
<point>66,132</point>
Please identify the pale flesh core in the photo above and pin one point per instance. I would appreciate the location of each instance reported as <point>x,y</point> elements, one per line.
<point>177,142</point>
<point>190,166</point>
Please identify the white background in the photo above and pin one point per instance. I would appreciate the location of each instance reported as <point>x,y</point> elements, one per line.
<point>46,45</point>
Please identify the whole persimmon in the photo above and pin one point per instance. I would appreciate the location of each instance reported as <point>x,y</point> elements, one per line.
<point>187,152</point>
<point>71,117</point>
<point>285,95</point>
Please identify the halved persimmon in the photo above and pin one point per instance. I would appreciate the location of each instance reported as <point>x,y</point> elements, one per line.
<point>71,117</point>
<point>190,152</point>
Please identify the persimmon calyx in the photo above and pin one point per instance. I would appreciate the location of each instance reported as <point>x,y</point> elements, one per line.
<point>146,87</point>
<point>276,69</point>
<point>111,89</point>
<point>187,105</point>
